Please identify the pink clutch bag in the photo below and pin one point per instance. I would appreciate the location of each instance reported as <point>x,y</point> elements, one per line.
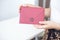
<point>31,15</point>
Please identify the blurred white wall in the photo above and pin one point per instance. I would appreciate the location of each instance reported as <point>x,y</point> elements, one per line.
<point>10,8</point>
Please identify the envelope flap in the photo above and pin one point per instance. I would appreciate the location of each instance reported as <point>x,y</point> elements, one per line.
<point>33,11</point>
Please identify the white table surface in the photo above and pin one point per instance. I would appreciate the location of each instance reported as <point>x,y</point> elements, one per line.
<point>11,30</point>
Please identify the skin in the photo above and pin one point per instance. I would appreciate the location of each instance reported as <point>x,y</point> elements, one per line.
<point>47,24</point>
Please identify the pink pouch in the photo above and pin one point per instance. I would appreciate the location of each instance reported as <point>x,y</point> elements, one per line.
<point>31,15</point>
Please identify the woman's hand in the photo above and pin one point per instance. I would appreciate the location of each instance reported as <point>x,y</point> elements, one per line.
<point>48,25</point>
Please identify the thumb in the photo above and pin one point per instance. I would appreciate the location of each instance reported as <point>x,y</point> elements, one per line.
<point>43,22</point>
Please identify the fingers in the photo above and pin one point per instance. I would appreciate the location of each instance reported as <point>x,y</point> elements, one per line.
<point>43,22</point>
<point>37,26</point>
<point>30,5</point>
<point>44,26</point>
<point>41,26</point>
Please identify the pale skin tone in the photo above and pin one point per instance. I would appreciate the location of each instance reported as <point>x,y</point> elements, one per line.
<point>47,24</point>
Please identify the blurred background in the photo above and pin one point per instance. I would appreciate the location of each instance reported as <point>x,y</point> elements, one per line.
<point>10,8</point>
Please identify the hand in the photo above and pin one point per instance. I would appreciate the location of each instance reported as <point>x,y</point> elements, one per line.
<point>48,25</point>
<point>30,5</point>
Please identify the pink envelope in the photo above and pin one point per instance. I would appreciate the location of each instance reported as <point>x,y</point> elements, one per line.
<point>31,15</point>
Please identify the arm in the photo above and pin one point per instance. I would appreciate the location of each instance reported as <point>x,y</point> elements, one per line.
<point>48,25</point>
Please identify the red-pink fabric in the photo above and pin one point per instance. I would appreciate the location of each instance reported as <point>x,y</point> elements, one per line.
<point>31,15</point>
